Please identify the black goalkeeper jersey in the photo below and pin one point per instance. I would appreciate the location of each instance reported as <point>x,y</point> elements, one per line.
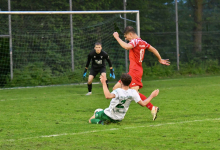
<point>98,60</point>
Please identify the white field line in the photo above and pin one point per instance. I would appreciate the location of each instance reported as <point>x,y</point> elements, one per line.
<point>93,83</point>
<point>112,129</point>
<point>31,98</point>
<point>47,86</point>
<point>184,78</point>
<point>3,100</point>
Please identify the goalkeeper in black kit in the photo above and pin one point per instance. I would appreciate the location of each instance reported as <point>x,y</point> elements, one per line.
<point>98,65</point>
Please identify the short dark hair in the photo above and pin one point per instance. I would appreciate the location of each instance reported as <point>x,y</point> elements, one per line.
<point>126,79</point>
<point>129,29</point>
<point>98,43</point>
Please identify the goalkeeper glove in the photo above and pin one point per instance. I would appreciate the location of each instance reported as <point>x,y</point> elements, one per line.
<point>84,73</point>
<point>112,75</point>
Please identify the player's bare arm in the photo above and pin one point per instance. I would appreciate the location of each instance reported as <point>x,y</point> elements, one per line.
<point>145,102</point>
<point>123,44</point>
<point>156,53</point>
<point>107,94</point>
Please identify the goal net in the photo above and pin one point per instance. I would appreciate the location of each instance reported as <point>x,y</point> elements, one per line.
<point>41,47</point>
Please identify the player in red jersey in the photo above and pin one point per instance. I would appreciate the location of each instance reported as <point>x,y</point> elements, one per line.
<point>137,48</point>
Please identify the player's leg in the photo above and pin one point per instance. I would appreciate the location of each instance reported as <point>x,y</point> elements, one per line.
<point>93,117</point>
<point>135,88</point>
<point>100,118</point>
<point>93,120</point>
<point>136,84</point>
<point>143,97</point>
<point>154,109</point>
<point>92,75</point>
<point>89,84</point>
<point>103,73</point>
<point>117,85</point>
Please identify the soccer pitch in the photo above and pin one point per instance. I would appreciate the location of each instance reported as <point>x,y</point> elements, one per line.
<point>57,118</point>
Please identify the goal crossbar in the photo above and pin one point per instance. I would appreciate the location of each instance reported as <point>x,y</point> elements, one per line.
<point>65,12</point>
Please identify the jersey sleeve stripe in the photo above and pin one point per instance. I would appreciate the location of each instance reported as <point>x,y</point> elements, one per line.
<point>132,43</point>
<point>147,45</point>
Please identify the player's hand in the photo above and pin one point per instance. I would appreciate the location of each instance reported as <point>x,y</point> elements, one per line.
<point>112,75</point>
<point>164,62</point>
<point>115,34</point>
<point>84,73</point>
<point>155,93</point>
<point>102,79</point>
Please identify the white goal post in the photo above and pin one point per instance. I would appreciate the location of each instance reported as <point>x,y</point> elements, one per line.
<point>9,13</point>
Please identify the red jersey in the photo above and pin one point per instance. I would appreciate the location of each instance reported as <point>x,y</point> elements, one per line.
<point>136,54</point>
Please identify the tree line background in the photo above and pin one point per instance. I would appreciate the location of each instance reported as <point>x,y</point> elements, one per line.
<point>42,59</point>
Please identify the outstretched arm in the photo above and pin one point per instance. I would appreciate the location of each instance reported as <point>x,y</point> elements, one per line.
<point>156,53</point>
<point>145,102</point>
<point>110,66</point>
<point>107,94</point>
<point>109,62</point>
<point>123,44</point>
<point>88,62</point>
<point>87,65</point>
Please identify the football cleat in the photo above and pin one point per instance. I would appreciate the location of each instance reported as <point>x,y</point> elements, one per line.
<point>89,93</point>
<point>154,112</point>
<point>107,122</point>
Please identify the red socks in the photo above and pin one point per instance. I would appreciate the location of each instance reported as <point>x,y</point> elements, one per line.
<point>149,105</point>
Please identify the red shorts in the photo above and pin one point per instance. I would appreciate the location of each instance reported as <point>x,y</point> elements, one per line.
<point>136,76</point>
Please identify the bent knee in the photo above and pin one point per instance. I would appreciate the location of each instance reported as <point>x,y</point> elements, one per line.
<point>117,85</point>
<point>89,82</point>
<point>114,88</point>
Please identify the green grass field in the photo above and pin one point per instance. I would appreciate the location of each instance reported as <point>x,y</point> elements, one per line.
<point>56,118</point>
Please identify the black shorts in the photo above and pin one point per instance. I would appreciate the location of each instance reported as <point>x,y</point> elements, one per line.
<point>95,71</point>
